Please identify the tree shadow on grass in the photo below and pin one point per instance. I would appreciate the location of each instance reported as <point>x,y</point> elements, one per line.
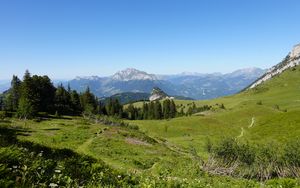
<point>34,156</point>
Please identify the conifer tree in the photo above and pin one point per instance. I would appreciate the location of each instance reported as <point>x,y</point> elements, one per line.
<point>131,112</point>
<point>15,92</point>
<point>63,105</point>
<point>75,102</point>
<point>173,110</point>
<point>45,93</point>
<point>157,110</point>
<point>166,108</point>
<point>145,111</point>
<point>88,102</point>
<point>26,108</point>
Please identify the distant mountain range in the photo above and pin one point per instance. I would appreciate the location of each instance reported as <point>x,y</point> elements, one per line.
<point>192,85</point>
<point>4,85</point>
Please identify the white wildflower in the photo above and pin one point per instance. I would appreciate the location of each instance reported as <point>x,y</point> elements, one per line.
<point>53,185</point>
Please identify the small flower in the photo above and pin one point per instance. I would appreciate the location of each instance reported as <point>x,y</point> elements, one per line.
<point>15,166</point>
<point>119,176</point>
<point>53,185</point>
<point>57,171</point>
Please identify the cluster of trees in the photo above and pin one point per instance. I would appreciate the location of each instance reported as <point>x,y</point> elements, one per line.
<point>111,107</point>
<point>152,110</point>
<point>193,109</point>
<point>37,94</point>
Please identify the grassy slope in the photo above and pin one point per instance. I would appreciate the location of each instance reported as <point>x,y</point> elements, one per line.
<point>270,122</point>
<point>127,150</point>
<point>169,155</point>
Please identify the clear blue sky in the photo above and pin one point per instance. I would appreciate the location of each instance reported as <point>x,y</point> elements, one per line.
<point>65,38</point>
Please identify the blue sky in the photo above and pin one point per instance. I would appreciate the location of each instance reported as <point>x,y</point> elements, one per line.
<point>66,38</point>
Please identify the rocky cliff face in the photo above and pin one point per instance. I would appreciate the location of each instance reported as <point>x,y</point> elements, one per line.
<point>158,94</point>
<point>296,51</point>
<point>292,60</point>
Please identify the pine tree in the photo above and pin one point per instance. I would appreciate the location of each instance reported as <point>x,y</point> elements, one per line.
<point>131,112</point>
<point>181,112</point>
<point>157,110</point>
<point>88,102</point>
<point>166,109</point>
<point>145,111</point>
<point>8,102</point>
<point>189,111</point>
<point>75,101</point>
<point>1,103</point>
<point>63,104</point>
<point>27,102</point>
<point>25,109</point>
<point>15,92</point>
<point>173,110</point>
<point>45,93</point>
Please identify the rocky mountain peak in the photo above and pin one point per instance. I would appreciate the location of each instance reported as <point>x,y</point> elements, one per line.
<point>133,74</point>
<point>248,72</point>
<point>295,52</point>
<point>292,60</point>
<point>157,94</point>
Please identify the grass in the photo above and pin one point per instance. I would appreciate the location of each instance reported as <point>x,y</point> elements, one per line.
<point>275,106</point>
<point>168,153</point>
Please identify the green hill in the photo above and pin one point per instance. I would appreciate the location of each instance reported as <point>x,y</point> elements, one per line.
<point>152,153</point>
<point>274,106</point>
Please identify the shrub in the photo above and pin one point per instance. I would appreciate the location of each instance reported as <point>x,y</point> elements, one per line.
<point>227,150</point>
<point>246,154</point>
<point>3,115</point>
<point>292,153</point>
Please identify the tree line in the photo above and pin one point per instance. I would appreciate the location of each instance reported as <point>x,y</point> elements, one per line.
<point>34,95</point>
<point>152,110</point>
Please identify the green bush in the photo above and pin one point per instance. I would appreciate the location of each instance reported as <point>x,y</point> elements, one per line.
<point>292,153</point>
<point>3,115</point>
<point>246,154</point>
<point>227,150</point>
<point>260,161</point>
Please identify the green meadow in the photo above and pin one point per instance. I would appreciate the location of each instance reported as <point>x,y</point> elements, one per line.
<point>152,153</point>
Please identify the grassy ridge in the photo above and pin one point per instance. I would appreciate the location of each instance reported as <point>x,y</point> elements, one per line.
<point>274,106</point>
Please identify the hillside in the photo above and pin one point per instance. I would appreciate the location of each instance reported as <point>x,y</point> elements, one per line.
<point>153,152</point>
<point>250,139</point>
<point>273,106</point>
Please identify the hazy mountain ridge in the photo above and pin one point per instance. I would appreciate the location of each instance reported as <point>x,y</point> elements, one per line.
<point>196,85</point>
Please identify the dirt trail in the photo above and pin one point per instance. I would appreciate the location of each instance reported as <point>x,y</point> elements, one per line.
<point>252,122</point>
<point>242,133</point>
<point>250,126</point>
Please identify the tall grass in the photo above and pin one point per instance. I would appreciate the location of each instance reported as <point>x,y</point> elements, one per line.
<point>257,161</point>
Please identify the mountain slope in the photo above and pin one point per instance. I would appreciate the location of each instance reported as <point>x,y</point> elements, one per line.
<point>292,60</point>
<point>267,113</point>
<point>197,86</point>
